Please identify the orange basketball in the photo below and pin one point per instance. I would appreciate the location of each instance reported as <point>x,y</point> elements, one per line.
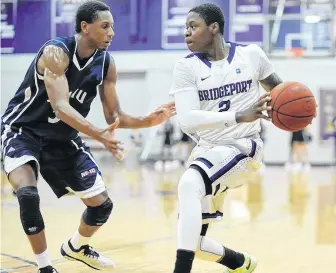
<point>293,106</point>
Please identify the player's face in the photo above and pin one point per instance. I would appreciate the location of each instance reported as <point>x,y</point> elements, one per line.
<point>101,30</point>
<point>197,36</point>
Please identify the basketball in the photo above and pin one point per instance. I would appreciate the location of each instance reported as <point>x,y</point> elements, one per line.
<point>293,106</point>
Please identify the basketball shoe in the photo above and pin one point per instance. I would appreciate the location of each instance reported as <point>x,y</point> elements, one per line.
<point>87,255</point>
<point>249,265</point>
<point>47,269</point>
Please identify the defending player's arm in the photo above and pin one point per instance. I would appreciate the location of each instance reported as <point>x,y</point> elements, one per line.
<point>112,109</point>
<point>53,64</point>
<point>192,119</point>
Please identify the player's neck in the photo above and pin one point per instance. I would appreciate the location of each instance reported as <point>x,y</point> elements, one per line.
<point>84,49</point>
<point>218,50</point>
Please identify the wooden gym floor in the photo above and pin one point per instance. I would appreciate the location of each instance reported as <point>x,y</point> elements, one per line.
<point>287,221</point>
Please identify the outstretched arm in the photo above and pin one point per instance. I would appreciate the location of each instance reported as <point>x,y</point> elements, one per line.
<point>112,109</point>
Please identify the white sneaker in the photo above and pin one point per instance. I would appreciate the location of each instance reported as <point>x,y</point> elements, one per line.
<point>249,265</point>
<point>87,255</point>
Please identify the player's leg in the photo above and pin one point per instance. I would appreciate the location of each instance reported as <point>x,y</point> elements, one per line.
<point>74,169</point>
<point>191,190</point>
<point>24,183</point>
<point>98,211</point>
<point>20,154</point>
<point>223,167</point>
<point>290,162</point>
<point>304,157</point>
<point>295,163</point>
<point>210,250</point>
<point>77,248</point>
<point>297,150</point>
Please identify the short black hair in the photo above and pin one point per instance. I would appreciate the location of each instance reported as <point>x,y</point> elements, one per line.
<point>88,12</point>
<point>210,13</point>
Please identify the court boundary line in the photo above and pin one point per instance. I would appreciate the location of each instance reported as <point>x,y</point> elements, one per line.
<point>19,259</point>
<point>6,270</point>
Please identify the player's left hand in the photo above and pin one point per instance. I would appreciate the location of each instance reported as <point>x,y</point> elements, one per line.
<point>162,113</point>
<point>255,111</point>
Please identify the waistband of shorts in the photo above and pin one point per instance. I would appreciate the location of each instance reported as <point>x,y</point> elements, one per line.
<point>227,141</point>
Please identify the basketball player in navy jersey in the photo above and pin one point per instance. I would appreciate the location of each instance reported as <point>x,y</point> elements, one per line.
<point>39,132</point>
<point>217,97</point>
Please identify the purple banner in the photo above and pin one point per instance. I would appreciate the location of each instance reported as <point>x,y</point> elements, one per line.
<point>174,14</point>
<point>249,6</point>
<point>252,33</point>
<point>8,15</point>
<point>145,24</point>
<point>139,24</point>
<point>327,113</point>
<point>247,21</point>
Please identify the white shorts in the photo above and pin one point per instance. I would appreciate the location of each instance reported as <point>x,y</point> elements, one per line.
<point>225,166</point>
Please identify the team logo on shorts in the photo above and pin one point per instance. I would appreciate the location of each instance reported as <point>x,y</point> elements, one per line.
<point>88,172</point>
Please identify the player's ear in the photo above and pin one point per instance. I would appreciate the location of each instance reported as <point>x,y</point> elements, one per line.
<point>85,27</point>
<point>214,27</point>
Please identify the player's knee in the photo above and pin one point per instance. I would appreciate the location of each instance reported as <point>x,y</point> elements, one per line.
<point>97,216</point>
<point>30,213</point>
<point>191,184</point>
<point>185,184</point>
<point>24,176</point>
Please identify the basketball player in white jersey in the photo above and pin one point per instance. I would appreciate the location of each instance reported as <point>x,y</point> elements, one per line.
<point>217,96</point>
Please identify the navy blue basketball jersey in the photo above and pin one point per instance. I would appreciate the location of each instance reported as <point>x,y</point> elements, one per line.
<point>30,108</point>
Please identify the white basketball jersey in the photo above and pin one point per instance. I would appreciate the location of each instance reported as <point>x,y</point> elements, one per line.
<point>231,84</point>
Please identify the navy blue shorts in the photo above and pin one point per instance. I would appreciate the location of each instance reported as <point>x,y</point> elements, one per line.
<point>67,166</point>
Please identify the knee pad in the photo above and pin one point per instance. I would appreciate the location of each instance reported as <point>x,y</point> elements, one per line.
<point>30,213</point>
<point>97,216</point>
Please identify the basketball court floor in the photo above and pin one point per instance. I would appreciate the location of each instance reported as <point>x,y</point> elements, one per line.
<point>287,220</point>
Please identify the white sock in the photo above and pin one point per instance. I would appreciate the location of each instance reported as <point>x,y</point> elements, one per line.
<point>191,190</point>
<point>209,250</point>
<point>43,259</point>
<point>78,240</point>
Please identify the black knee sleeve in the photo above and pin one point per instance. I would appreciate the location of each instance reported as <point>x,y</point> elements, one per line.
<point>30,214</point>
<point>97,216</point>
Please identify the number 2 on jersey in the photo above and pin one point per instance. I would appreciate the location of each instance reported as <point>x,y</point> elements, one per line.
<point>224,105</point>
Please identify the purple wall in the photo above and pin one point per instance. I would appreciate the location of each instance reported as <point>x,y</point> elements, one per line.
<point>138,23</point>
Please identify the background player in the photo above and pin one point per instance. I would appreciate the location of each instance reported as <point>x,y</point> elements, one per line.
<point>299,158</point>
<point>39,131</point>
<point>217,96</point>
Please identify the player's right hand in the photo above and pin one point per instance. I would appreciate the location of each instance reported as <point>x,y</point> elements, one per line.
<point>109,141</point>
<point>255,111</point>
